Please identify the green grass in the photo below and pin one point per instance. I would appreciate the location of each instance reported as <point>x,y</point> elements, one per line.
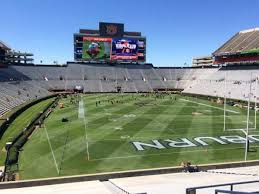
<point>111,129</point>
<point>19,124</point>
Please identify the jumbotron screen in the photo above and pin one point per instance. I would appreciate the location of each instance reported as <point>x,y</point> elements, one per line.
<point>126,49</point>
<point>98,48</point>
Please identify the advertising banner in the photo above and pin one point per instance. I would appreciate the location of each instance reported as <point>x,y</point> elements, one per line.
<point>124,49</point>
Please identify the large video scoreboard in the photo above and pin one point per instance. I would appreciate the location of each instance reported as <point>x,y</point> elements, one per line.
<point>110,43</point>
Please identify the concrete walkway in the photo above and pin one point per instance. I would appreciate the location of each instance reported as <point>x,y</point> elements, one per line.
<point>174,183</point>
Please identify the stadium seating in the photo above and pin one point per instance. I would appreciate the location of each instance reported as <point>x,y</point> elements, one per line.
<point>15,93</point>
<point>234,83</point>
<point>19,84</point>
<point>242,41</point>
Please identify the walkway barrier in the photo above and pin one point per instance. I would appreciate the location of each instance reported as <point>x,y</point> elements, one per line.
<point>218,191</point>
<point>193,190</point>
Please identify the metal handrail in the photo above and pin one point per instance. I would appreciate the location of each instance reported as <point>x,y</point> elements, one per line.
<point>192,190</point>
<point>217,191</point>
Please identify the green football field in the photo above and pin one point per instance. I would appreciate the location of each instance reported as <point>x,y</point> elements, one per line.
<point>133,131</point>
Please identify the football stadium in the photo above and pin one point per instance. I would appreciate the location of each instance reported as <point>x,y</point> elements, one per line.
<point>108,115</point>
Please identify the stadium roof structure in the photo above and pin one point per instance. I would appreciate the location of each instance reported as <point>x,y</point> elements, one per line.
<point>4,46</point>
<point>245,41</point>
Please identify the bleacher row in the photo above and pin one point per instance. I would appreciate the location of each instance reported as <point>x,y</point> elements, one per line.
<point>15,93</point>
<point>243,41</point>
<point>234,83</point>
<point>19,84</point>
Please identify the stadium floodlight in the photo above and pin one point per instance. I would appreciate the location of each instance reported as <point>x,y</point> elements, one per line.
<point>246,128</point>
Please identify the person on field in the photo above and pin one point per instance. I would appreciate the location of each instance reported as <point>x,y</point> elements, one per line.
<point>188,167</point>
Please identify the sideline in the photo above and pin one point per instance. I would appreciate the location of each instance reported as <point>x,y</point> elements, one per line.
<point>232,111</point>
<point>120,174</point>
<point>168,153</point>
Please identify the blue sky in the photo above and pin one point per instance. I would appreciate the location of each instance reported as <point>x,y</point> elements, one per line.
<point>176,30</point>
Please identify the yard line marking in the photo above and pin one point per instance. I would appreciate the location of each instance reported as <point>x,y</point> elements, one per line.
<point>215,107</point>
<point>51,148</point>
<point>169,153</point>
<point>81,115</point>
<point>81,110</point>
<point>63,153</point>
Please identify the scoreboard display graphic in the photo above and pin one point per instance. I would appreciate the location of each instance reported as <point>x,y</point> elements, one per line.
<point>125,49</point>
<point>96,48</point>
<point>109,44</point>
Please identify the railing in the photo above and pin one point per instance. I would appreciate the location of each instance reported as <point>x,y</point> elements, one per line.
<point>218,191</point>
<point>192,190</point>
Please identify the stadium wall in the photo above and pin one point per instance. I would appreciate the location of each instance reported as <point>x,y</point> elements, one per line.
<point>123,174</point>
<point>208,97</point>
<point>229,59</point>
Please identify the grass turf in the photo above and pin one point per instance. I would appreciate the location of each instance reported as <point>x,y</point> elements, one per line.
<point>111,128</point>
<point>19,124</point>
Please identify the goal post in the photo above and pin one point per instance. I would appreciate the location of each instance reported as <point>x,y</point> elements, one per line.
<point>247,122</point>
<point>234,120</point>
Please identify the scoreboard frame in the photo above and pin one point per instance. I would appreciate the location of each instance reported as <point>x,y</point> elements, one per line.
<point>113,31</point>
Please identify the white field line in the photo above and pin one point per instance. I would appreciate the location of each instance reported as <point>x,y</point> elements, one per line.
<point>51,148</point>
<point>81,115</point>
<point>136,138</point>
<point>242,130</point>
<point>169,153</point>
<point>232,111</point>
<point>81,110</point>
